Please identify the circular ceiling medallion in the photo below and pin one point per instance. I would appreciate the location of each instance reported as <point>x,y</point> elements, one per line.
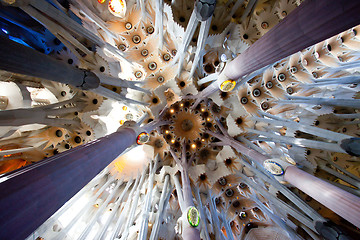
<point>273,167</point>
<point>193,217</point>
<point>227,85</point>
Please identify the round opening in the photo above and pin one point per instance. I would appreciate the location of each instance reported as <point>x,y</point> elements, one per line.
<point>245,36</point>
<point>152,66</point>
<point>144,52</point>
<point>281,77</point>
<point>181,19</point>
<point>256,92</point>
<point>122,47</point>
<point>88,133</point>
<point>244,100</point>
<point>102,69</point>
<point>290,90</point>
<point>269,85</point>
<point>293,70</point>
<point>229,192</point>
<point>128,25</point>
<point>150,30</point>
<point>265,106</point>
<point>160,79</point>
<point>138,74</point>
<point>136,39</point>
<point>264,25</point>
<point>59,133</point>
<point>77,139</point>
<point>166,57</point>
<point>155,100</point>
<point>95,101</point>
<point>70,61</point>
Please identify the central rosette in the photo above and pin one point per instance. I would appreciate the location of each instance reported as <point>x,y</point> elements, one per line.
<point>188,125</point>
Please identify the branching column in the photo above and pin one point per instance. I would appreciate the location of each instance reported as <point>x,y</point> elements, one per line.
<point>341,202</point>
<point>20,59</point>
<point>30,195</point>
<point>312,22</point>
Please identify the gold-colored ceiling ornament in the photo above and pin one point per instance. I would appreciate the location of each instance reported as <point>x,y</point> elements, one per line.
<point>188,125</point>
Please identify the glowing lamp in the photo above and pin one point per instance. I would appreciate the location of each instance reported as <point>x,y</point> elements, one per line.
<point>227,85</point>
<point>193,217</point>
<point>101,1</point>
<point>142,138</point>
<point>117,7</point>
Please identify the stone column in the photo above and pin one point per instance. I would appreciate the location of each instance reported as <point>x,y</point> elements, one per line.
<point>18,58</point>
<point>30,195</point>
<point>340,201</point>
<point>312,22</point>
